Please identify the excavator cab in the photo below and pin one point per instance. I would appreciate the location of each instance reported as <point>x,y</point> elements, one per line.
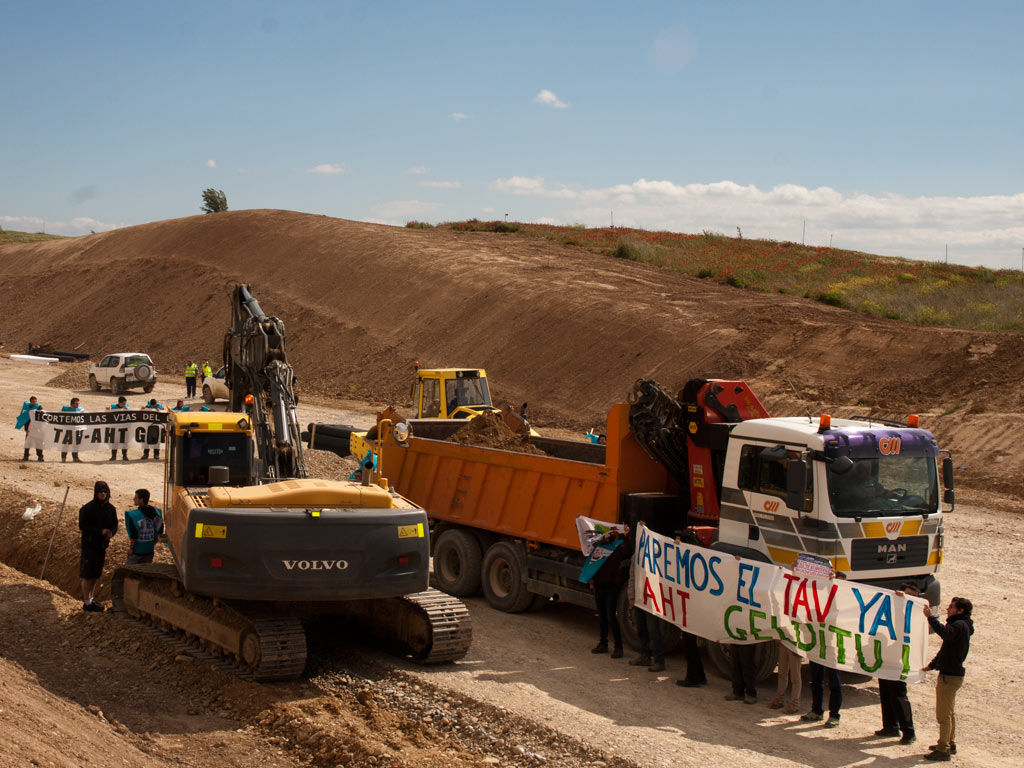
<point>451,393</point>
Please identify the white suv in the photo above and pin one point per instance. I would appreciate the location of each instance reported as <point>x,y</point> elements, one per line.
<point>123,371</point>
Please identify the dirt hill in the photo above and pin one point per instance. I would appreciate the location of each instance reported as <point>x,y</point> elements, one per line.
<point>567,331</point>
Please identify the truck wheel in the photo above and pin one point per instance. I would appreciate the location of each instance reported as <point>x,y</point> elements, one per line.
<point>148,388</point>
<point>207,395</point>
<point>504,579</point>
<point>457,559</point>
<point>115,386</point>
<point>93,384</point>
<point>765,660</point>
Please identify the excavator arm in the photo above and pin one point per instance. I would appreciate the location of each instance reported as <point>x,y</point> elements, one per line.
<point>256,364</point>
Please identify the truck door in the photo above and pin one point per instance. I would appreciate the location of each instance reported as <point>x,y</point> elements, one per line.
<point>773,531</point>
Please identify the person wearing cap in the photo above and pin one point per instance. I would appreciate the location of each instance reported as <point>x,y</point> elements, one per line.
<point>120,405</point>
<point>97,521</point>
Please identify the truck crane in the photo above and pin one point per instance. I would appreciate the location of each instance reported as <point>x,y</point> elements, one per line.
<point>258,546</point>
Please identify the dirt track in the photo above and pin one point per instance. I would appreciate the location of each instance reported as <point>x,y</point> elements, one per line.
<point>528,687</point>
<point>565,330</point>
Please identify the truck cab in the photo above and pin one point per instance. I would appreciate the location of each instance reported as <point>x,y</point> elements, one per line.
<point>863,496</point>
<point>451,393</point>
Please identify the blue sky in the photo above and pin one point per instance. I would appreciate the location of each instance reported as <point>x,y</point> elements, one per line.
<point>888,127</point>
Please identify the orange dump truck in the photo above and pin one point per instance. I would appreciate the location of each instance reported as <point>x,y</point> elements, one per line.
<point>505,521</point>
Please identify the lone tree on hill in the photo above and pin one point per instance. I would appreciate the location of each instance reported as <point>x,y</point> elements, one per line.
<point>214,201</point>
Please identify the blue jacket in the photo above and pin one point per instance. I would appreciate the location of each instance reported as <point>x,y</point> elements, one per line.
<point>116,406</point>
<point>73,410</point>
<point>189,408</point>
<point>144,530</point>
<point>25,415</point>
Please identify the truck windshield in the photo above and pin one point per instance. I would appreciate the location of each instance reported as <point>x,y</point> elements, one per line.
<point>885,486</point>
<point>466,392</point>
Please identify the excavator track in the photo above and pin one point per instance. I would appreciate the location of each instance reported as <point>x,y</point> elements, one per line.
<point>257,642</point>
<point>267,645</point>
<point>429,627</point>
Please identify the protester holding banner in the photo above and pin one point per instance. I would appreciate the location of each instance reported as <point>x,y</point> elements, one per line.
<point>25,421</point>
<point>606,583</point>
<point>897,716</point>
<point>949,662</point>
<point>790,665</point>
<point>97,521</point>
<point>121,404</point>
<point>73,408</point>
<point>152,405</point>
<point>694,663</point>
<point>648,627</point>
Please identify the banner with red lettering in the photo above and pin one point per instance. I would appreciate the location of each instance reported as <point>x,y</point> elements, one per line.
<point>727,599</point>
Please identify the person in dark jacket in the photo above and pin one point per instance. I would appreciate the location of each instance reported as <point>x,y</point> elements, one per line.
<point>97,521</point>
<point>606,583</point>
<point>949,662</point>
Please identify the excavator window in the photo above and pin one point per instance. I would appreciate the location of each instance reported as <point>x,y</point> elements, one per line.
<point>202,451</point>
<point>431,403</point>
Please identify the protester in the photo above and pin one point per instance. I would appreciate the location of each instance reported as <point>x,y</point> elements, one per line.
<point>897,716</point>
<point>121,404</point>
<point>606,583</point>
<point>180,406</point>
<point>144,524</point>
<point>790,664</point>
<point>949,662</point>
<point>190,379</point>
<point>97,521</point>
<point>24,422</point>
<point>744,673</point>
<point>152,405</point>
<point>73,408</point>
<point>648,628</point>
<point>694,663</point>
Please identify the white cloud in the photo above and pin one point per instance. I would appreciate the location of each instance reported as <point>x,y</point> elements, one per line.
<point>550,99</point>
<point>80,225</point>
<point>419,170</point>
<point>441,184</point>
<point>979,230</point>
<point>211,163</point>
<point>329,168</point>
<point>458,116</point>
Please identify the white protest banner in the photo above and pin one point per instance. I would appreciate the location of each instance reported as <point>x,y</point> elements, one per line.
<point>836,623</point>
<point>77,431</point>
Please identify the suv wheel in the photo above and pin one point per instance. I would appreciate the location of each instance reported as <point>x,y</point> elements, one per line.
<point>93,384</point>
<point>148,388</point>
<point>115,386</point>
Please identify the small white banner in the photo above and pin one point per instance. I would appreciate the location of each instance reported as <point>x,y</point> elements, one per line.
<point>77,431</point>
<point>836,623</point>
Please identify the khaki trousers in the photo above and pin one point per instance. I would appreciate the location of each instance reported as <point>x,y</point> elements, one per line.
<point>945,709</point>
<point>789,673</point>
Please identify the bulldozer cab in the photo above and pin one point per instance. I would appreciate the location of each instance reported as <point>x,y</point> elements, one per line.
<point>201,442</point>
<point>451,393</point>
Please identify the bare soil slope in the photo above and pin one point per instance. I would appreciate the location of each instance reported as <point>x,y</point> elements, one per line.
<point>564,329</point>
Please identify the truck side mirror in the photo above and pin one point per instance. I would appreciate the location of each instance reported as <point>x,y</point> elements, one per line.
<point>947,473</point>
<point>948,498</point>
<point>796,482</point>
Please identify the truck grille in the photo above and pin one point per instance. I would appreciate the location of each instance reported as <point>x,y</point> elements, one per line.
<point>905,552</point>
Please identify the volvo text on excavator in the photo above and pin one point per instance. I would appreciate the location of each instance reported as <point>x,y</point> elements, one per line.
<point>258,546</point>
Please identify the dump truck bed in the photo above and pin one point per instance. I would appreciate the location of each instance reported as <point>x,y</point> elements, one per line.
<point>533,497</point>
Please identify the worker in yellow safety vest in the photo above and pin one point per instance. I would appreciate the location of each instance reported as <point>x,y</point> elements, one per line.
<point>191,369</point>
<point>207,370</point>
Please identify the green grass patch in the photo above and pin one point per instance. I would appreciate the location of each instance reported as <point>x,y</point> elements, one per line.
<point>10,236</point>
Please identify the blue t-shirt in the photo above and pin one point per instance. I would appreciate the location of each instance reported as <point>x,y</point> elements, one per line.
<point>143,529</point>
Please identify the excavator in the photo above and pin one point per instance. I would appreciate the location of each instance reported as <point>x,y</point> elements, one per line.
<point>258,546</point>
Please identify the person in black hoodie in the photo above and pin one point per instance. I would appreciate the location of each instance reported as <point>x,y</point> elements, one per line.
<point>949,661</point>
<point>97,521</point>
